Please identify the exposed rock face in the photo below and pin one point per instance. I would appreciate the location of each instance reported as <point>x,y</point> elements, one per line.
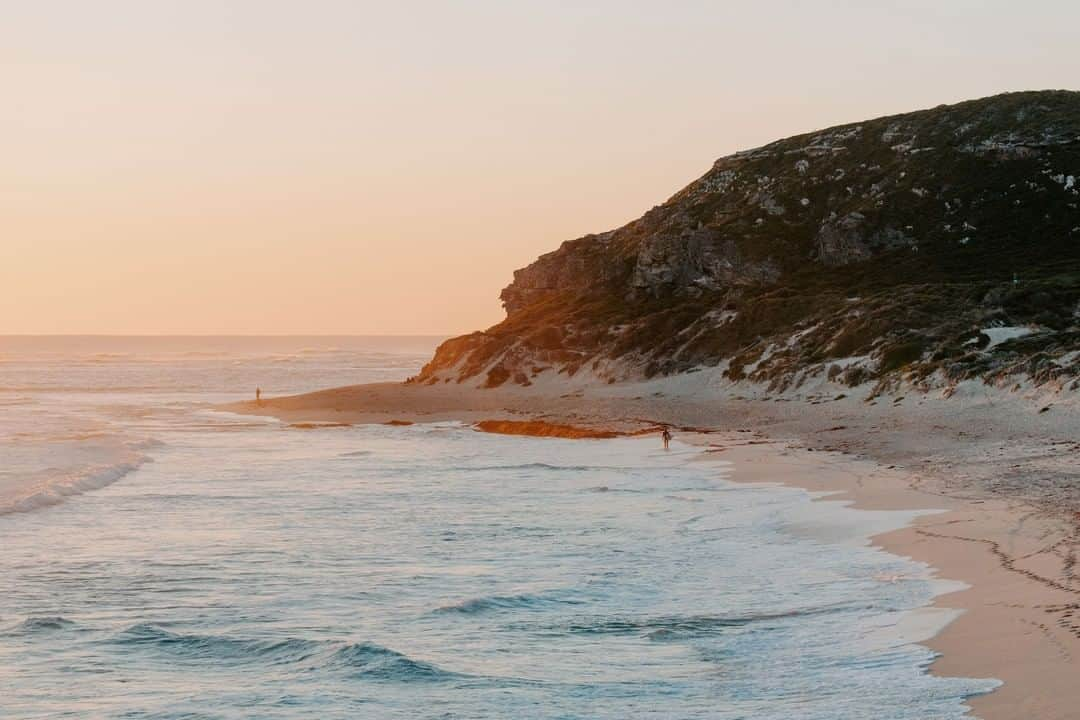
<point>575,267</point>
<point>876,251</point>
<point>842,241</point>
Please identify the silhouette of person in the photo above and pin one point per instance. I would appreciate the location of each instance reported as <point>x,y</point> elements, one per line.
<point>258,396</point>
<point>667,438</point>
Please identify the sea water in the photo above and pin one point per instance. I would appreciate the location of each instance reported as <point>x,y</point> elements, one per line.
<point>173,561</point>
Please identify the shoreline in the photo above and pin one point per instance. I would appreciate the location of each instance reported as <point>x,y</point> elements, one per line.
<point>1025,661</point>
<point>1014,547</point>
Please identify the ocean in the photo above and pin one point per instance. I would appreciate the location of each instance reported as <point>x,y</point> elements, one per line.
<point>161,559</point>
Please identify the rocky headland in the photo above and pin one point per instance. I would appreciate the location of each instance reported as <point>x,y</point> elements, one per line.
<point>921,250</point>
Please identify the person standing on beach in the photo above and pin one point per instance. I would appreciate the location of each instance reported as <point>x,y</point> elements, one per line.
<point>666,435</point>
<point>258,396</point>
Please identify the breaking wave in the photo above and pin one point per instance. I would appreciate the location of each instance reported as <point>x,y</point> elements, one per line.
<point>678,626</point>
<point>364,659</point>
<point>31,489</point>
<point>538,466</point>
<point>44,623</point>
<point>56,488</point>
<point>216,647</point>
<point>382,663</point>
<point>355,453</point>
<point>495,603</point>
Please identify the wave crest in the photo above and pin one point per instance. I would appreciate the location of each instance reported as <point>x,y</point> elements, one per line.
<point>363,659</point>
<point>677,626</point>
<point>382,663</point>
<point>538,466</point>
<point>53,486</point>
<point>43,623</point>
<point>494,603</point>
<point>217,647</point>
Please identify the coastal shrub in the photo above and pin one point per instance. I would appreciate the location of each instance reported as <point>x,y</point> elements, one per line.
<point>546,338</point>
<point>854,337</point>
<point>734,372</point>
<point>496,376</point>
<point>894,357</point>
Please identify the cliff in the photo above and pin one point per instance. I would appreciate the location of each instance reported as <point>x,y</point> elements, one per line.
<point>924,248</point>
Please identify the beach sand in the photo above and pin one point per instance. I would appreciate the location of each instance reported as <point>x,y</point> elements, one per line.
<point>1004,471</point>
<point>1021,615</point>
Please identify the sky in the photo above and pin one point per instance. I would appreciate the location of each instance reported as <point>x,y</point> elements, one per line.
<point>325,167</point>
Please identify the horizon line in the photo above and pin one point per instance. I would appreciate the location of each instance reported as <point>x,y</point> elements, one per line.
<point>225,335</point>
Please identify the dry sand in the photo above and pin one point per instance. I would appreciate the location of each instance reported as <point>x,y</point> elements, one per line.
<point>1005,471</point>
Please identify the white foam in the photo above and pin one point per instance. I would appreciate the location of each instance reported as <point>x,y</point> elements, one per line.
<point>39,492</point>
<point>44,471</point>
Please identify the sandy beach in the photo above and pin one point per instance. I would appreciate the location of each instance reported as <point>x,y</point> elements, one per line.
<point>1001,468</point>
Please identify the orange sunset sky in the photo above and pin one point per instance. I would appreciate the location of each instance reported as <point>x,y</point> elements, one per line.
<point>355,167</point>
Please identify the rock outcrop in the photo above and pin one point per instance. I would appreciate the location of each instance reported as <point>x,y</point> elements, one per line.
<point>888,251</point>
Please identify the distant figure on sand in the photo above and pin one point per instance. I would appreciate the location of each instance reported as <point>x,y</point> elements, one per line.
<point>258,396</point>
<point>667,438</point>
